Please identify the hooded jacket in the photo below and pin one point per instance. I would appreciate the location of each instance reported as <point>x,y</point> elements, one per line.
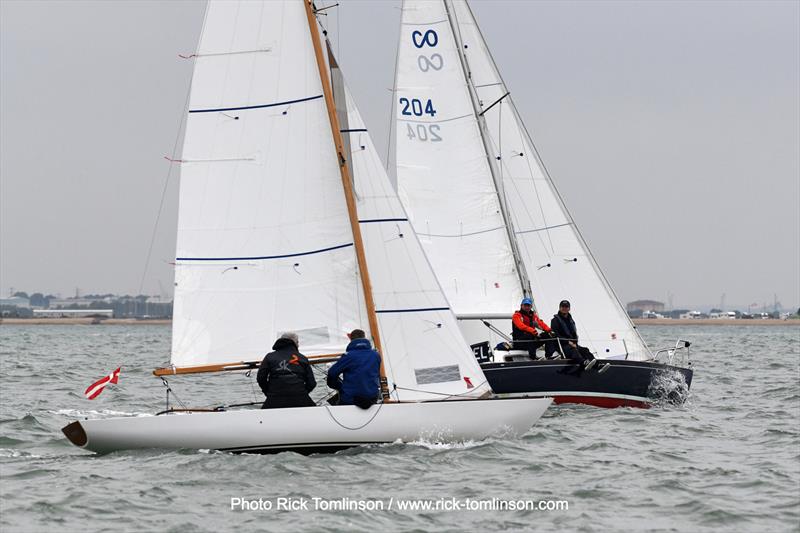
<point>285,371</point>
<point>360,369</point>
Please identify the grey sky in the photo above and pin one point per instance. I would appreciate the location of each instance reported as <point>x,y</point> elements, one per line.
<point>672,130</point>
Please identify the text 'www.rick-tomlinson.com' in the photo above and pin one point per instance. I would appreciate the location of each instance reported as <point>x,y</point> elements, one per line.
<point>395,504</point>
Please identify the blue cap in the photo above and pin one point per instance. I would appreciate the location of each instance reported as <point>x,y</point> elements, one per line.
<point>527,301</point>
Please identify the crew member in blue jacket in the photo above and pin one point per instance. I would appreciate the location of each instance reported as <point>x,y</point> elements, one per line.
<point>359,369</point>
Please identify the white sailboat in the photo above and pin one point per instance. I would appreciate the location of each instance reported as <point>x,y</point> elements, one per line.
<point>488,214</point>
<point>274,236</point>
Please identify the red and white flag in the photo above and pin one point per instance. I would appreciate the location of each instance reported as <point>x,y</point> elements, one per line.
<point>94,390</point>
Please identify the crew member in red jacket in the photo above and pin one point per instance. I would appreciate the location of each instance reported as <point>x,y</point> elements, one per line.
<point>524,324</point>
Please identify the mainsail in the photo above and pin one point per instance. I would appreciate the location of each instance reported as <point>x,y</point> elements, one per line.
<point>556,260</point>
<point>264,243</point>
<point>264,240</point>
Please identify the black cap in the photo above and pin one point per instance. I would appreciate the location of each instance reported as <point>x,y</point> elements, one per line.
<point>564,303</point>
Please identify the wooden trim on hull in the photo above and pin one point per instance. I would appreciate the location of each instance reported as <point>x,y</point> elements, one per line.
<point>75,433</point>
<point>237,365</point>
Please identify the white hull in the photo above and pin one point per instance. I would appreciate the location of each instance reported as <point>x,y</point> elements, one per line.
<point>312,429</point>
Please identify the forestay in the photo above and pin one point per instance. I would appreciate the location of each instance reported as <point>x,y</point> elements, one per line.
<point>443,174</point>
<point>426,356</point>
<point>264,242</point>
<point>557,260</point>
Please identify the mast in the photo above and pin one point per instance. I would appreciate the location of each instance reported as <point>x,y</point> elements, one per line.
<point>522,272</point>
<point>347,184</point>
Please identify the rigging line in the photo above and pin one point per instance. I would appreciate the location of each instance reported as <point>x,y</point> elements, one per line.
<point>493,103</point>
<point>166,185</point>
<point>546,228</point>
<point>460,234</point>
<point>445,394</point>
<point>236,52</point>
<point>434,121</point>
<point>391,170</point>
<point>423,23</point>
<point>365,424</point>
<point>338,31</point>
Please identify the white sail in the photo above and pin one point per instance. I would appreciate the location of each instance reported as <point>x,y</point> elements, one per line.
<point>426,356</point>
<point>557,261</point>
<point>264,242</point>
<point>443,174</point>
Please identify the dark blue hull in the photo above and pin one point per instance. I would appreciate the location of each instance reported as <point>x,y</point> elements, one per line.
<point>624,384</point>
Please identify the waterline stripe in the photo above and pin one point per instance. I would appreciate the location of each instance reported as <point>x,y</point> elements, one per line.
<point>215,110</point>
<point>263,256</point>
<point>420,310</point>
<point>353,130</point>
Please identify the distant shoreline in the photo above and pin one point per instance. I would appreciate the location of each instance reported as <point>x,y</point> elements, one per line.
<point>86,321</point>
<point>714,322</point>
<point>167,321</point>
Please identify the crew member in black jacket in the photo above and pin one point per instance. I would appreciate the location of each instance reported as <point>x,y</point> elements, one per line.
<point>285,375</point>
<point>563,326</point>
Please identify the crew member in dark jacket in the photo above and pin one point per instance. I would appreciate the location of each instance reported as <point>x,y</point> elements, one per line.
<point>285,375</point>
<point>563,327</point>
<point>523,332</point>
<point>360,371</point>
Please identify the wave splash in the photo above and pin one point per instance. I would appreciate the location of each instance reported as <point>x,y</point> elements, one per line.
<point>668,387</point>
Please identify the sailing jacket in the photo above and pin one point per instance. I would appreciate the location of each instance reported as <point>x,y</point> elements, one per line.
<point>285,371</point>
<point>564,327</point>
<point>360,369</point>
<point>524,325</point>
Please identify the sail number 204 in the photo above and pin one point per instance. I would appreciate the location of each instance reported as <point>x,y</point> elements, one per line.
<point>423,132</point>
<point>415,107</point>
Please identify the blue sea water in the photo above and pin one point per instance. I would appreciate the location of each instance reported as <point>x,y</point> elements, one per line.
<point>728,459</point>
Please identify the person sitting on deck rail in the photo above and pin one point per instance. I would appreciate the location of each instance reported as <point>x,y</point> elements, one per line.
<point>564,328</point>
<point>285,375</point>
<point>524,334</point>
<point>360,370</point>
